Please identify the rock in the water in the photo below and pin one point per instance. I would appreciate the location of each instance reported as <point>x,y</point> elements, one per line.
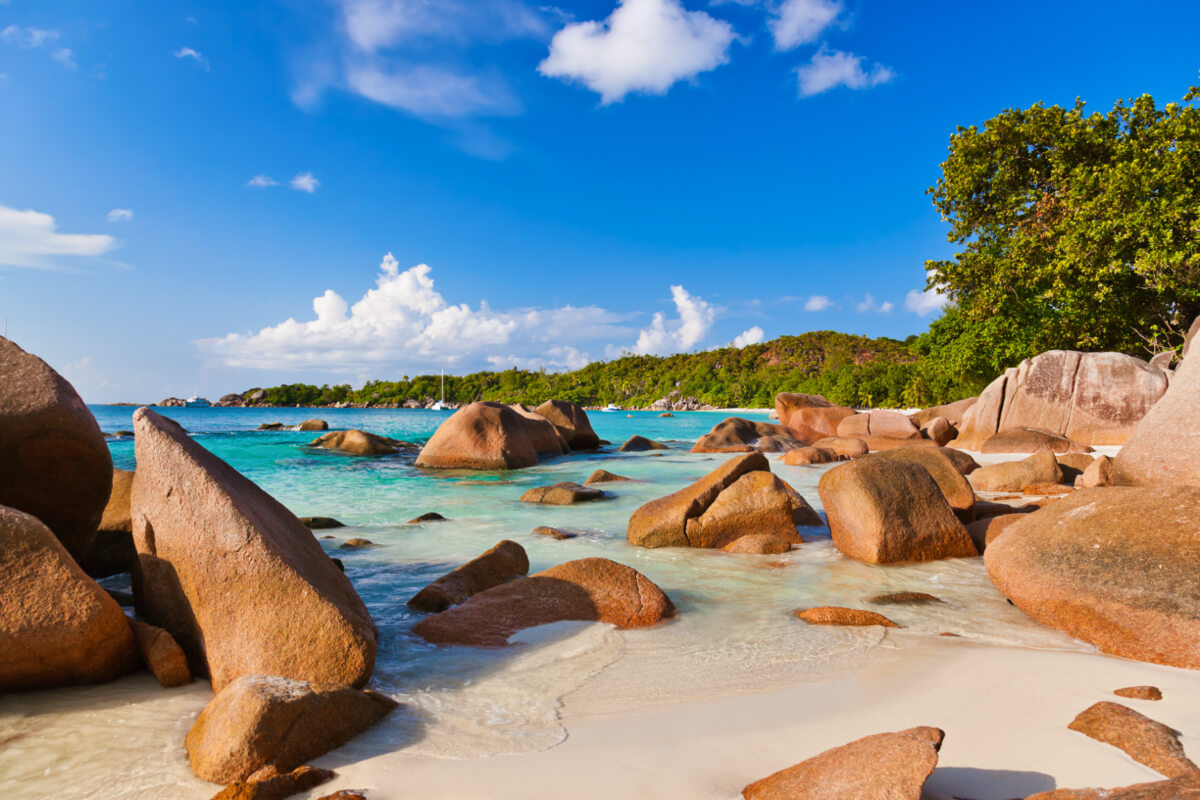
<point>743,435</point>
<point>757,502</point>
<point>1163,449</point>
<point>846,447</point>
<point>666,414</point>
<point>428,516</point>
<point>491,436</point>
<point>760,544</point>
<point>111,551</point>
<point>591,589</point>
<point>357,543</point>
<point>504,562</point>
<point>555,533</point>
<point>835,615</point>
<point>1098,474</point>
<point>885,510</point>
<point>272,785</point>
<point>54,462</point>
<point>320,523</point>
<point>984,531</point>
<point>57,627</point>
<point>162,655</point>
<point>270,426</point>
<point>266,721</point>
<point>1186,788</point>
<point>886,766</point>
<point>1014,476</point>
<point>904,599</point>
<point>603,476</point>
<point>572,423</point>
<point>1144,740</point>
<point>1030,440</point>
<point>637,444</point>
<point>563,493</point>
<point>360,443</point>
<point>1114,567</point>
<point>1140,692</point>
<point>283,607</point>
<point>802,456</point>
<point>939,462</point>
<point>313,425</point>
<point>802,512</point>
<point>809,417</point>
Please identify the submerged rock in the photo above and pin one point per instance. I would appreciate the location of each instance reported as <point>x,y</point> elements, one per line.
<point>357,543</point>
<point>283,607</point>
<point>886,766</point>
<point>266,721</point>
<point>637,444</point>
<point>54,462</point>
<point>572,423</point>
<point>556,533</point>
<point>321,523</point>
<point>563,493</point>
<point>504,562</point>
<point>360,443</point>
<point>491,436</point>
<point>760,544</point>
<point>590,589</point>
<point>904,599</point>
<point>835,615</point>
<point>428,516</point>
<point>1144,740</point>
<point>57,626</point>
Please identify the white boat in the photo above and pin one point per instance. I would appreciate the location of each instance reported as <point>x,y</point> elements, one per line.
<point>440,405</point>
<point>611,407</point>
<point>197,402</point>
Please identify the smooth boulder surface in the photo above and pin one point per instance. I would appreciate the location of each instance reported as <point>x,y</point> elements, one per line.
<point>951,412</point>
<point>760,544</point>
<point>563,493</point>
<point>883,424</point>
<point>233,576</point>
<point>54,462</point>
<point>1091,398</point>
<point>310,425</point>
<point>1115,567</point>
<point>887,510</point>
<point>940,464</point>
<point>360,443</point>
<point>590,589</point>
<point>1143,739</point>
<point>846,447</point>
<point>939,430</point>
<point>57,626</point>
<point>504,562</point>
<point>802,512</point>
<point>1100,473</point>
<point>572,423</point>
<point>266,721</point>
<point>663,522</point>
<point>803,456</point>
<point>491,436</point>
<point>1164,449</point>
<point>162,655</point>
<point>886,766</point>
<point>640,444</point>
<point>1014,476</point>
<point>604,476</point>
<point>111,552</point>
<point>836,615</point>
<point>1030,440</point>
<point>757,502</point>
<point>743,435</point>
<point>809,417</point>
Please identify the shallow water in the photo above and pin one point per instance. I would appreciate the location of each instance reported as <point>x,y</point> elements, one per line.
<point>734,632</point>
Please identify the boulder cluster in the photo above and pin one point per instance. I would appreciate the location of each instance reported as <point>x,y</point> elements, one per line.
<point>493,436</point>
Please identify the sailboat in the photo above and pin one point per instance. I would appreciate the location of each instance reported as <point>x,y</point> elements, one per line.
<point>440,405</point>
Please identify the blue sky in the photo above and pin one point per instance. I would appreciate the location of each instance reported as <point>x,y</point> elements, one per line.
<point>209,196</point>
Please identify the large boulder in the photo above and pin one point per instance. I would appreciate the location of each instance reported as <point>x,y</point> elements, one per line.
<point>809,417</point>
<point>504,562</point>
<point>882,424</point>
<point>229,572</point>
<point>590,589</point>
<point>57,627</point>
<point>266,721</point>
<point>1030,440</point>
<point>310,425</point>
<point>1015,476</point>
<point>663,522</point>
<point>804,456</point>
<point>757,502</point>
<point>951,412</point>
<point>844,446</point>
<point>572,423</point>
<point>1091,398</point>
<point>111,552</point>
<point>1145,740</point>
<point>54,462</point>
<point>1164,449</point>
<point>1098,474</point>
<point>886,510</point>
<point>1115,567</point>
<point>886,766</point>
<point>743,435</point>
<point>491,436</point>
<point>563,493</point>
<point>360,443</point>
<point>942,466</point>
<point>640,444</point>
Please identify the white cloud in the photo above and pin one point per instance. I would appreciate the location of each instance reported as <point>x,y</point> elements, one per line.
<point>27,37</point>
<point>373,25</point>
<point>870,304</point>
<point>198,57</point>
<point>405,323</point>
<point>818,302</point>
<point>30,239</point>
<point>752,336</point>
<point>926,302</point>
<point>886,306</point>
<point>829,69</point>
<point>262,181</point>
<point>65,57</point>
<point>662,337</point>
<point>120,215</point>
<point>797,22</point>
<point>643,46</point>
<point>304,182</point>
<point>429,91</point>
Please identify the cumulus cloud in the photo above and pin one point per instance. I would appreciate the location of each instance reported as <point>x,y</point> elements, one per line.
<point>797,22</point>
<point>261,181</point>
<point>405,323</point>
<point>671,336</point>
<point>198,57</point>
<point>752,336</point>
<point>818,302</point>
<point>31,239</point>
<point>305,182</point>
<point>643,46</point>
<point>829,69</point>
<point>926,302</point>
<point>120,215</point>
<point>869,303</point>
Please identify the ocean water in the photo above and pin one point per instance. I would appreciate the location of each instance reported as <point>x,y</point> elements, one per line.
<point>734,631</point>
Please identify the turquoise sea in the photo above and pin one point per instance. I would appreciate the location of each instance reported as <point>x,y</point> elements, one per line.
<point>734,632</point>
